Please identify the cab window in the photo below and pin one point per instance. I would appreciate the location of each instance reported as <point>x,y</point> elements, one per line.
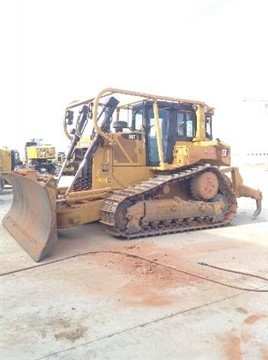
<point>186,124</point>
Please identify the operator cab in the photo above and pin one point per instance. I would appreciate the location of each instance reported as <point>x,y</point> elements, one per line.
<point>177,121</point>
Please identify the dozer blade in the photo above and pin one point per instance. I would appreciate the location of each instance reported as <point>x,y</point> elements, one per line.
<point>31,219</point>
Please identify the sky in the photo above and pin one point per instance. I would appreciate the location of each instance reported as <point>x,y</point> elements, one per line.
<point>54,52</point>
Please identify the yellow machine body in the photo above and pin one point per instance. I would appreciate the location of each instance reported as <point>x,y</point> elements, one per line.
<point>9,158</point>
<point>150,167</point>
<point>41,152</point>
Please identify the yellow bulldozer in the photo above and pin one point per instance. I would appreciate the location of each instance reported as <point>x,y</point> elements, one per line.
<point>40,157</point>
<point>9,159</point>
<point>152,168</point>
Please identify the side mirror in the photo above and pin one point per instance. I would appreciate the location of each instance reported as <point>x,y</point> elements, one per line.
<point>69,117</point>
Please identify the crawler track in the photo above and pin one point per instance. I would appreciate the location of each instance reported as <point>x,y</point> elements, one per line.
<point>115,206</point>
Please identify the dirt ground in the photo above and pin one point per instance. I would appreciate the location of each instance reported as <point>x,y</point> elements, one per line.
<point>165,297</point>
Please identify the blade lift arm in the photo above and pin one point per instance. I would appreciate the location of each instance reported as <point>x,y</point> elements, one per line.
<point>77,134</point>
<point>108,110</point>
